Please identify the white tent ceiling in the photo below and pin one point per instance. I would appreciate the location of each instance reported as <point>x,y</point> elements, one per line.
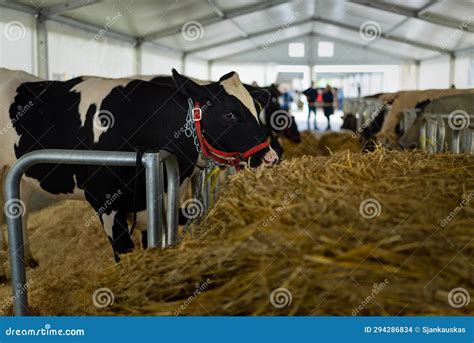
<point>259,31</point>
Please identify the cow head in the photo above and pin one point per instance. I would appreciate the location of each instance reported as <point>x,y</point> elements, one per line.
<point>278,120</point>
<point>229,116</point>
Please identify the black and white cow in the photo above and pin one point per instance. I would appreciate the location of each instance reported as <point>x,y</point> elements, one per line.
<point>274,120</point>
<point>118,115</point>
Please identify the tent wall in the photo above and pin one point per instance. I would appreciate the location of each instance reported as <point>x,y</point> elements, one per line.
<point>74,52</point>
<point>197,68</point>
<point>17,33</point>
<point>158,62</point>
<point>434,73</point>
<point>248,72</point>
<point>462,68</point>
<point>409,77</point>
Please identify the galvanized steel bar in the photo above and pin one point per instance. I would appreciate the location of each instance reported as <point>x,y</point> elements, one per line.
<point>151,162</point>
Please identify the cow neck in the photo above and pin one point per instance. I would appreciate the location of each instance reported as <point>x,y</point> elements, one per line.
<point>234,159</point>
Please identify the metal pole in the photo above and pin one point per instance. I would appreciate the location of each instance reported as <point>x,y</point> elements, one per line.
<point>151,161</point>
<point>172,177</point>
<point>154,199</point>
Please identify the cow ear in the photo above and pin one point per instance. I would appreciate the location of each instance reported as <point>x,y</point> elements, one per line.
<point>262,96</point>
<point>187,86</point>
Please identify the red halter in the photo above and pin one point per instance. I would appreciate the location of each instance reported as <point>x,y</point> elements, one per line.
<point>231,158</point>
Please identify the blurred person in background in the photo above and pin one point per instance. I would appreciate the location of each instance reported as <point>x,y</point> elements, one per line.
<point>286,100</point>
<point>311,95</point>
<point>328,104</point>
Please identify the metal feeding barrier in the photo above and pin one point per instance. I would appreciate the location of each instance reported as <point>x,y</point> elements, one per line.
<point>364,109</point>
<point>153,164</point>
<point>437,135</point>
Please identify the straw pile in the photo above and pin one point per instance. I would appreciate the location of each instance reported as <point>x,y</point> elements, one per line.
<point>321,144</point>
<point>348,234</point>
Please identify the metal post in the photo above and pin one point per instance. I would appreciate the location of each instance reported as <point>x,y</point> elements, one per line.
<point>154,202</point>
<point>42,47</point>
<point>172,217</point>
<point>152,164</point>
<point>456,142</point>
<point>431,131</point>
<point>440,135</point>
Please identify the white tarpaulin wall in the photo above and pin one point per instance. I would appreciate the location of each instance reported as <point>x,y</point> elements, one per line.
<point>73,52</point>
<point>17,40</point>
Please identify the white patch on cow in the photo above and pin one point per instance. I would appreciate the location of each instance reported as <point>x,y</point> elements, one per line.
<point>261,116</point>
<point>10,80</point>
<point>93,91</point>
<point>233,86</point>
<point>108,220</point>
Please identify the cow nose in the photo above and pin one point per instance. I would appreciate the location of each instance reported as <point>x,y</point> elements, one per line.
<point>270,158</point>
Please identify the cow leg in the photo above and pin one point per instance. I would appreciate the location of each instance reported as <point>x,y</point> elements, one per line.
<point>116,227</point>
<point>26,192</point>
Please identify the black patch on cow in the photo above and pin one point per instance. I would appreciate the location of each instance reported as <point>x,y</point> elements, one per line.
<point>52,122</point>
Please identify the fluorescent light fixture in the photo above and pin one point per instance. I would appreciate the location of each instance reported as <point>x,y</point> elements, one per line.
<point>325,49</point>
<point>296,49</point>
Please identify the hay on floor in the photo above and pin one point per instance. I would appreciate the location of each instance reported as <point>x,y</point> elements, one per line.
<point>321,144</point>
<point>363,234</point>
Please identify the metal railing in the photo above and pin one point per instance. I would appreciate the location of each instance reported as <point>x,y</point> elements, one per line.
<point>153,164</point>
<point>363,109</point>
<point>436,135</point>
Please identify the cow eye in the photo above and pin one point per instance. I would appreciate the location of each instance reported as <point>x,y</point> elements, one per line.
<point>230,117</point>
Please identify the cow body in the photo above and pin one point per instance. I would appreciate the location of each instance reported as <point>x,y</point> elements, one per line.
<point>445,105</point>
<point>406,100</point>
<point>114,115</point>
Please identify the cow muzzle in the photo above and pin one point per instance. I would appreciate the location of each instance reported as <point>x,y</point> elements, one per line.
<point>270,158</point>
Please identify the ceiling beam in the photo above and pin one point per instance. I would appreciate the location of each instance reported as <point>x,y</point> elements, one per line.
<point>18,7</point>
<point>223,16</point>
<point>325,21</point>
<point>417,12</point>
<point>250,36</point>
<point>284,41</point>
<point>366,47</point>
<point>212,20</point>
<point>385,36</point>
<point>329,37</point>
<point>66,6</point>
<point>407,12</point>
<point>81,25</point>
